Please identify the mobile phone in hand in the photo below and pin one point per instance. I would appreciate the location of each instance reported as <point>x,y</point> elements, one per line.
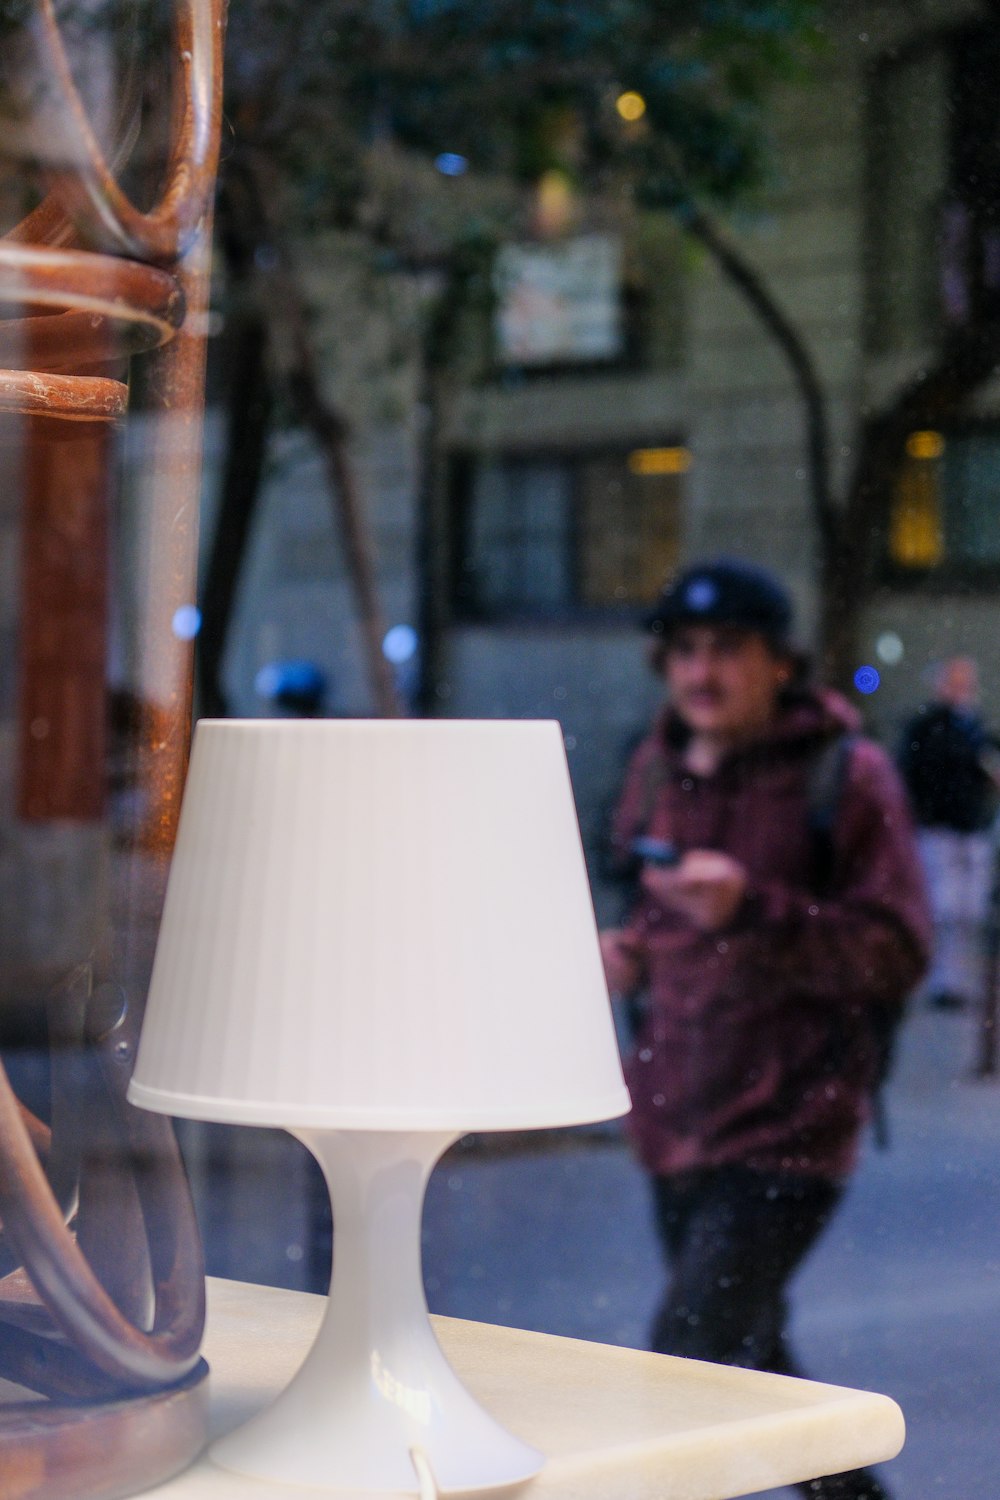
<point>658,852</point>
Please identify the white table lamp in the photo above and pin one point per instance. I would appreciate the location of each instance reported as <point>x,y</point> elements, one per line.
<point>378,935</point>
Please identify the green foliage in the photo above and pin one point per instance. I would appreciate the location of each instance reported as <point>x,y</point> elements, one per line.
<point>514,87</point>
<point>490,77</point>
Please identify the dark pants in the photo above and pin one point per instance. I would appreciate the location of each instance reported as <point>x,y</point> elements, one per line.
<point>733,1238</point>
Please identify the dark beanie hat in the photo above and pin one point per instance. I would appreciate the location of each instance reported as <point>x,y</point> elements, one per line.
<point>725,591</point>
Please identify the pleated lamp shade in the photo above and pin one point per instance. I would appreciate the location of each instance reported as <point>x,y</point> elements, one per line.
<point>379,925</point>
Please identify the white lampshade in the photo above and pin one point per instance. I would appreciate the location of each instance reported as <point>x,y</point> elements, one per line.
<point>379,925</point>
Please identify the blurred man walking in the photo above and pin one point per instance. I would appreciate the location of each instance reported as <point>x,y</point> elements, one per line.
<point>780,924</point>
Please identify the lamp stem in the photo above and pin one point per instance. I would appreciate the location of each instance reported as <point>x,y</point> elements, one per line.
<point>375,1384</point>
<point>377,1181</point>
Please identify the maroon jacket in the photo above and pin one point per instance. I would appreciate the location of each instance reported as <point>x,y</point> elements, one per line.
<point>756,1048</point>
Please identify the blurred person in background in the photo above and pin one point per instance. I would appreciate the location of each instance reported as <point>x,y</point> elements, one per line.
<point>779,925</point>
<point>950,762</point>
<point>293,689</point>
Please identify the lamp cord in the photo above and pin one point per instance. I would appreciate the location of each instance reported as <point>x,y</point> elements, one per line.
<point>425,1475</point>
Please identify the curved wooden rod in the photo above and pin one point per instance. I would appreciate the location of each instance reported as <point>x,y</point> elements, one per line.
<point>81,179</point>
<point>67,340</point>
<point>132,295</point>
<point>48,224</point>
<point>72,398</point>
<point>115,307</point>
<point>79,1305</point>
<point>59,1142</point>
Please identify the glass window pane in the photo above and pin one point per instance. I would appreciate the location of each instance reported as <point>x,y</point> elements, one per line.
<point>629,532</point>
<point>520,536</point>
<point>972,486</point>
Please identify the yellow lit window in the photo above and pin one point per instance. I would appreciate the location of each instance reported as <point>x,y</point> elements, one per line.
<point>916,525</point>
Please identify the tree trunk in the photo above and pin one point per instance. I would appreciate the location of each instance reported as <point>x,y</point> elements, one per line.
<point>331,433</point>
<point>433,550</point>
<point>251,402</point>
<point>256,242</point>
<point>469,266</point>
<point>833,553</point>
<point>751,285</point>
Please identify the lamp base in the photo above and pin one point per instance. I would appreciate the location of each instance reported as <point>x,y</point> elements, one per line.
<point>376,1404</point>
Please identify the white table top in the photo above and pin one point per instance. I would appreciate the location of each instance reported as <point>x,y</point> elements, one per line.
<point>615,1424</point>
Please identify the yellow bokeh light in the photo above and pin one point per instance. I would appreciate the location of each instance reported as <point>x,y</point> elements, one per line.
<point>916,527</point>
<point>555,202</point>
<point>631,106</point>
<point>660,460</point>
<point>925,445</point>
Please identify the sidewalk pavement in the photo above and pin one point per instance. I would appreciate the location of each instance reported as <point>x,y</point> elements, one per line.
<point>902,1295</point>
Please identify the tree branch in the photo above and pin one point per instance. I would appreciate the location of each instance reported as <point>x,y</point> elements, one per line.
<point>283,307</point>
<point>755,291</point>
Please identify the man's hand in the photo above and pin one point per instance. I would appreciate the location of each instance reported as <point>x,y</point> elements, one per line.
<point>707,887</point>
<point>622,967</point>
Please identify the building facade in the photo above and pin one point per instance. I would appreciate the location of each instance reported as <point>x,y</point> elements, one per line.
<point>596,455</point>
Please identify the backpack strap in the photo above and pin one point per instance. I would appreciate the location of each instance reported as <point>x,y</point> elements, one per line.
<point>827,778</point>
<point>618,864</point>
<point>654,778</point>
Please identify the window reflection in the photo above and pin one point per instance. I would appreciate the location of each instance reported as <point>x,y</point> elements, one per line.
<point>509,448</point>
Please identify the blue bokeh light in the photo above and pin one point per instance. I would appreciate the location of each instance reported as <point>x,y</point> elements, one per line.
<point>186,622</point>
<point>867,680</point>
<point>451,164</point>
<point>293,678</point>
<point>400,644</point>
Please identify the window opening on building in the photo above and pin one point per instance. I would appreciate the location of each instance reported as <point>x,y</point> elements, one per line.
<point>544,536</point>
<point>945,503</point>
<point>933,205</point>
<point>916,537</point>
